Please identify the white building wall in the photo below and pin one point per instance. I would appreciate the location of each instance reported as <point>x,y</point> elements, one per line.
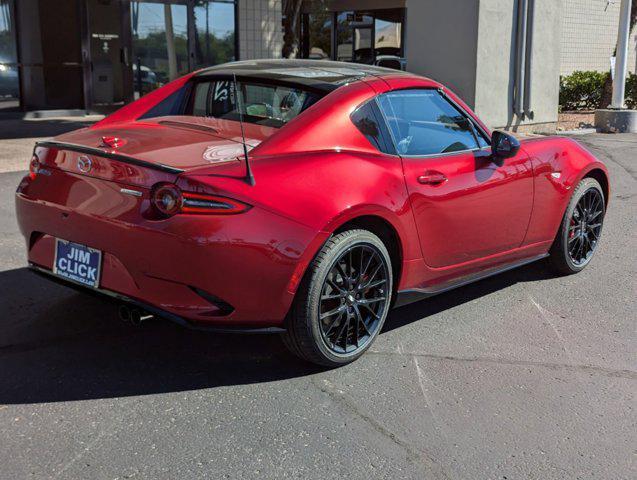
<point>260,29</point>
<point>589,35</point>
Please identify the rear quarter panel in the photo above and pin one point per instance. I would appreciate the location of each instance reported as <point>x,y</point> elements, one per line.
<point>559,164</point>
<point>324,190</point>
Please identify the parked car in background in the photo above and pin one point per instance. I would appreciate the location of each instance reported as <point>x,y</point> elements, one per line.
<point>303,197</point>
<point>148,79</point>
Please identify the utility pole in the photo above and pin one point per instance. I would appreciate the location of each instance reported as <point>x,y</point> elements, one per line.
<point>170,42</point>
<point>619,82</point>
<point>617,118</point>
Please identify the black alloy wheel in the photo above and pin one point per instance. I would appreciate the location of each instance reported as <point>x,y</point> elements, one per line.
<point>353,298</point>
<point>580,231</point>
<point>585,227</point>
<point>343,300</point>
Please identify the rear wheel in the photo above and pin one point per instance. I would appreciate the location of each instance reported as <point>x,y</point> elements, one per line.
<point>581,228</point>
<point>343,300</point>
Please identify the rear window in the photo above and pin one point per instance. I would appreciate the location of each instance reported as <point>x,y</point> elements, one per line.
<point>262,104</point>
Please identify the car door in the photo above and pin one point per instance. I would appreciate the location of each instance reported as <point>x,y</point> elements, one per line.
<point>466,206</point>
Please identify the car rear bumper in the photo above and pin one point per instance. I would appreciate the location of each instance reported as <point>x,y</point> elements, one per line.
<point>214,271</point>
<point>131,302</point>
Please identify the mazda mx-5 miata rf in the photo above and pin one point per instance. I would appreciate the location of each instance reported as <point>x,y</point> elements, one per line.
<point>301,197</point>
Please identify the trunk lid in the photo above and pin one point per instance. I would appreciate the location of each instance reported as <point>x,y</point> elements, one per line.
<point>144,152</point>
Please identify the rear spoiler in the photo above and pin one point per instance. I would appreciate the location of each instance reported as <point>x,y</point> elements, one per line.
<point>113,156</point>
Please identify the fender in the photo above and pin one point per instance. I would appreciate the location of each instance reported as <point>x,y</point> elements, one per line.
<point>408,253</point>
<point>559,164</point>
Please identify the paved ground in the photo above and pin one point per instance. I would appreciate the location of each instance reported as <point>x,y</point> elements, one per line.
<point>521,376</point>
<point>18,136</point>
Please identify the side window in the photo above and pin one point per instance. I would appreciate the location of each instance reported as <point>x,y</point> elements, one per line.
<point>423,122</point>
<point>200,99</point>
<point>369,122</point>
<point>171,105</point>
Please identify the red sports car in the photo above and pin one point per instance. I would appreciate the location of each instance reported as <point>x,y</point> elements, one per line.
<point>301,197</point>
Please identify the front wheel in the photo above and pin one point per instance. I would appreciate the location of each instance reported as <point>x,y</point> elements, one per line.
<point>343,300</point>
<point>581,228</point>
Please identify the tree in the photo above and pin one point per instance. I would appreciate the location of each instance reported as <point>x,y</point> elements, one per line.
<point>607,94</point>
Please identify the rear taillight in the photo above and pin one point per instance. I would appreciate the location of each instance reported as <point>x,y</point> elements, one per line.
<point>34,166</point>
<point>198,203</point>
<point>167,199</point>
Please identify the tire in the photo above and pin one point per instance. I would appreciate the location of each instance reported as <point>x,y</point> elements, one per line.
<point>352,276</point>
<point>590,197</point>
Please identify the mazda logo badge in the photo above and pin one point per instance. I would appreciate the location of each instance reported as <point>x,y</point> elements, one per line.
<point>84,164</point>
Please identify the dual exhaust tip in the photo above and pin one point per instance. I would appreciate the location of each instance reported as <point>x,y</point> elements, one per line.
<point>133,315</point>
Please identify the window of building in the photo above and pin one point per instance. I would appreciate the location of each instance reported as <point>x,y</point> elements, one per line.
<point>9,82</point>
<point>388,42</point>
<point>371,37</point>
<point>423,122</point>
<point>160,44</point>
<point>214,32</point>
<point>354,37</point>
<point>318,31</point>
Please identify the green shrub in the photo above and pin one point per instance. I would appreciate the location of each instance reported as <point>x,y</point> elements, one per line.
<point>582,90</point>
<point>631,90</point>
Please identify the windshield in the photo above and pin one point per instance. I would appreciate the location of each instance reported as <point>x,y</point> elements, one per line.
<point>262,104</point>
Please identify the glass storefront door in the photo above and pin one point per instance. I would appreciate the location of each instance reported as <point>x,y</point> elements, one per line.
<point>109,61</point>
<point>9,81</point>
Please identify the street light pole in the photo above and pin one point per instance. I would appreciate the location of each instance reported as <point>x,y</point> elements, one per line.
<point>619,82</point>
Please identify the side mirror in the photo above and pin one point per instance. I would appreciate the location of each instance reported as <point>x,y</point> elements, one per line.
<point>503,146</point>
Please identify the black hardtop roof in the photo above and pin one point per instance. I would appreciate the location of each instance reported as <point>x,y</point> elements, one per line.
<point>314,74</point>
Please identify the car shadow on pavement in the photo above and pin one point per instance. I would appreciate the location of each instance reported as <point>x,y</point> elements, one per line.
<point>57,344</point>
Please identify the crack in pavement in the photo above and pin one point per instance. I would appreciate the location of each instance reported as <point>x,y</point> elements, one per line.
<point>422,380</point>
<point>413,453</point>
<point>609,372</point>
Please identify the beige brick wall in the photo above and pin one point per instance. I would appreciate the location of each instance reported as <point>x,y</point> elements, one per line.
<point>589,35</point>
<point>260,30</point>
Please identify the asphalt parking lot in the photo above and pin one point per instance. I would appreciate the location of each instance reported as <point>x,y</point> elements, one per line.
<point>520,376</point>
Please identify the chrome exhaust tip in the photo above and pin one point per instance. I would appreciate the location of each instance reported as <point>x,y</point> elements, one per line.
<point>137,317</point>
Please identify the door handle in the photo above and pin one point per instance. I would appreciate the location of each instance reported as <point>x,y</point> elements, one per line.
<point>432,178</point>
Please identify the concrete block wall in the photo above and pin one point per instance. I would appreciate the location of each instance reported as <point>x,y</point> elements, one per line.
<point>260,29</point>
<point>589,36</point>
